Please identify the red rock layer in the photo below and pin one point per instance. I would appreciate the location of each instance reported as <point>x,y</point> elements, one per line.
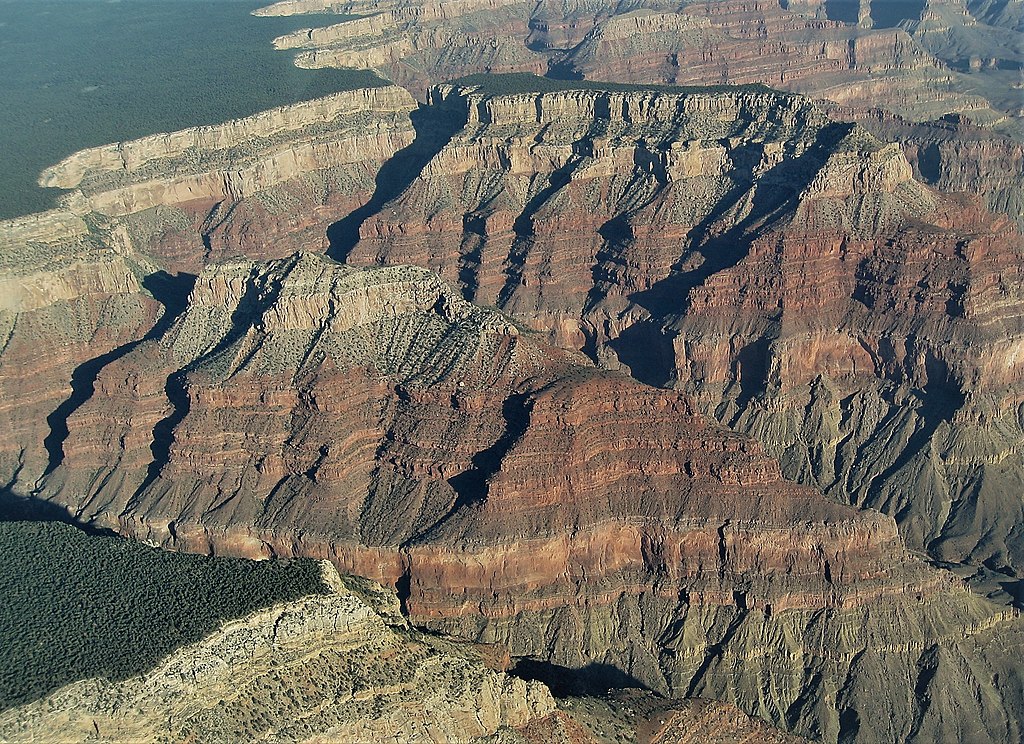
<point>373,417</point>
<point>78,306</point>
<point>743,249</point>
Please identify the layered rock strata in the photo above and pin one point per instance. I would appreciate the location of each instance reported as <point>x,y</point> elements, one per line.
<point>919,59</point>
<point>954,155</point>
<point>264,185</point>
<point>786,270</point>
<point>517,497</point>
<point>80,286</point>
<point>67,296</point>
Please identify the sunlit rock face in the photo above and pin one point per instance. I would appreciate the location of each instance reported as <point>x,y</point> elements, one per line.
<point>514,495</point>
<point>786,270</point>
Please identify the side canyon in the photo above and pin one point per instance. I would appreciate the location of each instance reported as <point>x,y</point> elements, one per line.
<point>714,392</point>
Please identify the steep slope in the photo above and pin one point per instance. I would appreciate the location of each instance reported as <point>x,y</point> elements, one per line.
<point>265,185</point>
<point>70,296</point>
<point>514,496</point>
<point>786,270</point>
<point>82,285</point>
<point>954,155</point>
<point>920,59</point>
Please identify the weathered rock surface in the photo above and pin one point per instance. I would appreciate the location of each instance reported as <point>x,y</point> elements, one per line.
<point>921,59</point>
<point>954,155</point>
<point>787,271</point>
<point>760,262</point>
<point>80,286</point>
<point>325,668</point>
<point>265,185</point>
<point>63,301</point>
<point>517,497</point>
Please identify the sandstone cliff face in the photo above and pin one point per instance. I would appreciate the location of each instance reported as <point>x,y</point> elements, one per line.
<point>320,669</point>
<point>787,271</point>
<point>80,286</point>
<point>66,297</point>
<point>761,263</point>
<point>516,496</point>
<point>956,156</point>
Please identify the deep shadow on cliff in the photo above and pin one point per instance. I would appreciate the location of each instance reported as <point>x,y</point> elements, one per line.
<point>171,291</point>
<point>776,195</point>
<point>435,126</point>
<point>15,508</point>
<point>593,679</point>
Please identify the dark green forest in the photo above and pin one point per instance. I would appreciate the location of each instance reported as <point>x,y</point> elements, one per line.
<point>82,73</point>
<point>74,606</point>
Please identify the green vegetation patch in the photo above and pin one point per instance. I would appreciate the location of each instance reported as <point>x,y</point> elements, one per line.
<point>524,82</point>
<point>75,606</point>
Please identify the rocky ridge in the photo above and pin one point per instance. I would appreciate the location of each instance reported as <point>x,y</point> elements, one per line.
<point>711,221</point>
<point>786,270</point>
<point>278,177</point>
<point>339,667</point>
<point>494,481</point>
<point>93,277</point>
<point>920,59</point>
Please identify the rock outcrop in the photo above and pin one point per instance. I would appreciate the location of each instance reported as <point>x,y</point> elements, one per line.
<point>954,155</point>
<point>65,305</point>
<point>265,185</point>
<point>921,59</point>
<point>786,270</point>
<point>325,668</point>
<point>516,496</point>
<point>742,255</point>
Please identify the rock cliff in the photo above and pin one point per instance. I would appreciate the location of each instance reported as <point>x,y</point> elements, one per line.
<point>265,185</point>
<point>786,270</point>
<point>954,155</point>
<point>63,303</point>
<point>742,254</point>
<point>516,496</point>
<point>921,59</point>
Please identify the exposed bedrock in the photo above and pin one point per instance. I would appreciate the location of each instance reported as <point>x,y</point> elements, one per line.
<point>921,59</point>
<point>515,495</point>
<point>956,156</point>
<point>786,270</point>
<point>265,186</point>
<point>339,667</point>
<point>753,259</point>
<point>66,307</point>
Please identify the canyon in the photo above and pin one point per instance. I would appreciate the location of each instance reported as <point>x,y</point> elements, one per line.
<point>923,58</point>
<point>713,392</point>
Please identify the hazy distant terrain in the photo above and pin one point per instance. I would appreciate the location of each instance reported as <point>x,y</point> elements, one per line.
<point>80,73</point>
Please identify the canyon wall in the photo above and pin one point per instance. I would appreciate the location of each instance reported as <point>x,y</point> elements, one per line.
<point>553,474</point>
<point>265,185</point>
<point>921,59</point>
<point>517,496</point>
<point>786,270</point>
<point>82,285</point>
